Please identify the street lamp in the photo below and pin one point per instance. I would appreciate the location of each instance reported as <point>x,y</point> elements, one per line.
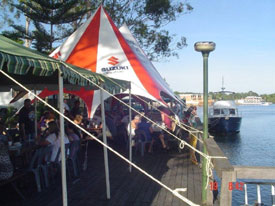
<point>205,48</point>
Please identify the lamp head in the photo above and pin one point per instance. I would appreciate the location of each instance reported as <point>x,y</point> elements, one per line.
<point>205,46</point>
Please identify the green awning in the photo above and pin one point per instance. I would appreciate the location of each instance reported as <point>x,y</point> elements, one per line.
<point>17,60</point>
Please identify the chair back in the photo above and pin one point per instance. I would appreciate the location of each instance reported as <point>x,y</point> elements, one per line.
<point>140,135</point>
<point>67,147</point>
<point>74,148</point>
<point>47,153</point>
<point>36,159</point>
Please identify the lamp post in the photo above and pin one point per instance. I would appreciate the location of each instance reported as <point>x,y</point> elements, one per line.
<point>205,48</point>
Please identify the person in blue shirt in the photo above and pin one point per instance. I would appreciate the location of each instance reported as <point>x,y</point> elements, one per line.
<point>150,135</point>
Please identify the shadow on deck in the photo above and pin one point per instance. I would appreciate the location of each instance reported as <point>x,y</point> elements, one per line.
<point>173,169</point>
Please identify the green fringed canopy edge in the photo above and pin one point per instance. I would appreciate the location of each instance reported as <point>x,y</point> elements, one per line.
<point>21,61</point>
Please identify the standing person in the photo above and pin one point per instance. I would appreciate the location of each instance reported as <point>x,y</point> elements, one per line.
<point>165,117</point>
<point>193,139</point>
<point>76,109</point>
<point>26,121</point>
<point>134,124</point>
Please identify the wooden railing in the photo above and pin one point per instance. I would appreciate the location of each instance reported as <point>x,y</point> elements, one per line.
<point>229,173</point>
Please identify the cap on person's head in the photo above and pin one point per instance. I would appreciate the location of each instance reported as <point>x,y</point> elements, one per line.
<point>2,126</point>
<point>27,101</point>
<point>77,102</point>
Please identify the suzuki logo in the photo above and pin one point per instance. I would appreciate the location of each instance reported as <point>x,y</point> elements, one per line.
<point>113,61</point>
<point>57,55</point>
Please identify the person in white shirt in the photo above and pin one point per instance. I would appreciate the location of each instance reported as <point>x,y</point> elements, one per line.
<point>53,139</point>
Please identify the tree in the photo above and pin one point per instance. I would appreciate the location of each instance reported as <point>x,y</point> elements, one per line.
<point>49,19</point>
<point>145,18</point>
<point>6,9</point>
<point>14,35</point>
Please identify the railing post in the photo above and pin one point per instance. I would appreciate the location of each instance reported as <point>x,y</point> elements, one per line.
<point>245,195</point>
<point>226,193</point>
<point>259,199</point>
<point>272,195</point>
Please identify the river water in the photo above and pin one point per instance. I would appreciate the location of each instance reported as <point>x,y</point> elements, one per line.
<point>253,146</point>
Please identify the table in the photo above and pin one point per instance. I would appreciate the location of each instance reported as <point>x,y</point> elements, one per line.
<point>21,155</point>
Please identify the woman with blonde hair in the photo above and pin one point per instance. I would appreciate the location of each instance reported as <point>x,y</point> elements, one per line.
<point>193,138</point>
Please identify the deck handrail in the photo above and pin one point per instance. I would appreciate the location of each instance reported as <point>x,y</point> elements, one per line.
<point>230,173</point>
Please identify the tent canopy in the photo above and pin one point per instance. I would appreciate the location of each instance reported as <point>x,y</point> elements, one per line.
<point>36,71</point>
<point>98,45</point>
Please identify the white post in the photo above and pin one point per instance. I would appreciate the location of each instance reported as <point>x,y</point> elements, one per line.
<point>130,130</point>
<point>259,201</point>
<point>62,145</point>
<point>35,117</point>
<point>245,194</point>
<point>104,148</point>
<point>273,195</point>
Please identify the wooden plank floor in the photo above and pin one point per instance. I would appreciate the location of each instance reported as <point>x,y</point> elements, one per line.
<point>172,168</point>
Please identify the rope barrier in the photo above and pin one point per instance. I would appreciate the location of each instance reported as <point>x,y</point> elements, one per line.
<point>207,157</point>
<point>174,192</point>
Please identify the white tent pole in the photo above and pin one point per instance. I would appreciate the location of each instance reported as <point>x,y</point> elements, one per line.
<point>62,145</point>
<point>130,130</point>
<point>35,117</point>
<point>104,148</point>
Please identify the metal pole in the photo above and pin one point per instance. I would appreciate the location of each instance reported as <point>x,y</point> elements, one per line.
<point>130,130</point>
<point>245,194</point>
<point>205,122</point>
<point>104,148</point>
<point>205,48</point>
<point>35,117</point>
<point>62,145</point>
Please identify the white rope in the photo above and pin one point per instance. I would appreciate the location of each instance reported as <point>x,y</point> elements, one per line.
<point>141,114</point>
<point>207,157</point>
<point>182,144</point>
<point>174,192</point>
<point>180,124</point>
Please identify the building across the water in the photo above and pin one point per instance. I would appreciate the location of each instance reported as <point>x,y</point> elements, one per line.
<point>194,99</point>
<point>252,100</point>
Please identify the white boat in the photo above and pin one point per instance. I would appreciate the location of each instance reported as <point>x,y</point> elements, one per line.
<point>224,117</point>
<point>266,103</point>
<point>253,100</point>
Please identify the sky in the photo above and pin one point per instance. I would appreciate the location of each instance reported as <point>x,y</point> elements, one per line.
<point>244,33</point>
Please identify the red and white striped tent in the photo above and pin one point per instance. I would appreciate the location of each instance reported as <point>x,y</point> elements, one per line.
<point>98,45</point>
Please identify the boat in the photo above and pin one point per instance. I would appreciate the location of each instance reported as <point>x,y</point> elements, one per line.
<point>266,103</point>
<point>224,117</point>
<point>253,100</point>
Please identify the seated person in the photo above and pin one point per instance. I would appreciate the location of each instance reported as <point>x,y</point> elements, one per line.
<point>6,168</point>
<point>148,131</point>
<point>53,139</point>
<point>150,134</point>
<point>43,122</point>
<point>72,136</point>
<point>96,120</point>
<point>3,133</point>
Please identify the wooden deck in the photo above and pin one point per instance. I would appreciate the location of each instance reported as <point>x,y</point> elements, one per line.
<point>173,169</point>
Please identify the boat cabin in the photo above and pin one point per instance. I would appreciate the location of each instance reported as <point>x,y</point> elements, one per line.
<point>223,108</point>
